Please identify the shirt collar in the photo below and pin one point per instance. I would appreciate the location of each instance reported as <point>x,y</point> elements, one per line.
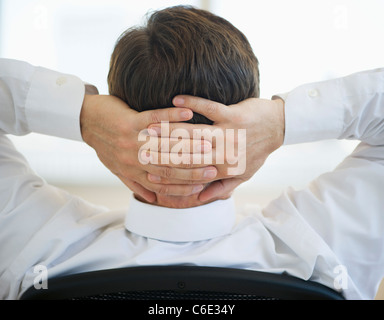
<point>181,225</point>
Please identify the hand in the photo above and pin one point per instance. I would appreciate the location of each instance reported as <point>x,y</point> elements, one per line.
<point>264,123</point>
<point>110,127</point>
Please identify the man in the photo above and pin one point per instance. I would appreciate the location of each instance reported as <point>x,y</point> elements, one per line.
<point>152,64</point>
<point>308,233</point>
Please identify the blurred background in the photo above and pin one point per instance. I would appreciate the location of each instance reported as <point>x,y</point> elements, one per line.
<point>296,42</point>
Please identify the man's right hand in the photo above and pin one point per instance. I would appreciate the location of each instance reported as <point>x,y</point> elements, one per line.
<point>110,127</point>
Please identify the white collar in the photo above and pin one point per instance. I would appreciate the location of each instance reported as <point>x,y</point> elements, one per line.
<point>181,225</point>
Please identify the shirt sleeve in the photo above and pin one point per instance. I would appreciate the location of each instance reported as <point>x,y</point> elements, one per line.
<point>344,207</point>
<point>351,107</point>
<point>36,99</point>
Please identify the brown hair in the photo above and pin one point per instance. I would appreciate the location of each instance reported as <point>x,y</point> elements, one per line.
<point>183,50</point>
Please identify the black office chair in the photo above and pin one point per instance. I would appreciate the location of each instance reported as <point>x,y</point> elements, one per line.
<point>180,283</point>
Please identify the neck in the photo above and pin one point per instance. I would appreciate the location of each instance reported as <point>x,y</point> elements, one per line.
<point>176,202</point>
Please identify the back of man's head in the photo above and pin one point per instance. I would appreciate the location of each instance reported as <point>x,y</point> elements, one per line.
<point>183,50</point>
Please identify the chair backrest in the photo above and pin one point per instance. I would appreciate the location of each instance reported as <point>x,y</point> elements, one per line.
<point>180,283</point>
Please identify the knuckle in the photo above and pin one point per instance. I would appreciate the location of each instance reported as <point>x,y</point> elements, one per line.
<point>170,113</point>
<point>167,172</point>
<point>192,182</point>
<point>163,189</point>
<point>211,108</point>
<point>188,181</point>
<point>122,127</point>
<point>187,161</point>
<point>155,117</point>
<point>124,173</point>
<point>190,190</point>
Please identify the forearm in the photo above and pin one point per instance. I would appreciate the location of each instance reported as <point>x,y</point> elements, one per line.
<point>35,99</point>
<point>345,108</point>
<point>345,206</point>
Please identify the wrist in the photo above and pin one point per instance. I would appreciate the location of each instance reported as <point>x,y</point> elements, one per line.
<point>84,117</point>
<point>279,105</point>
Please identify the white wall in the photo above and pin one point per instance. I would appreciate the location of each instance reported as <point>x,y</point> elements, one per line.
<point>296,41</point>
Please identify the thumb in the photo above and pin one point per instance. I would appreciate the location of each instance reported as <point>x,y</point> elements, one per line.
<point>221,189</point>
<point>139,190</point>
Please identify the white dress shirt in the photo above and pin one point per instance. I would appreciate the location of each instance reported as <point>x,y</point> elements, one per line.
<point>334,225</point>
